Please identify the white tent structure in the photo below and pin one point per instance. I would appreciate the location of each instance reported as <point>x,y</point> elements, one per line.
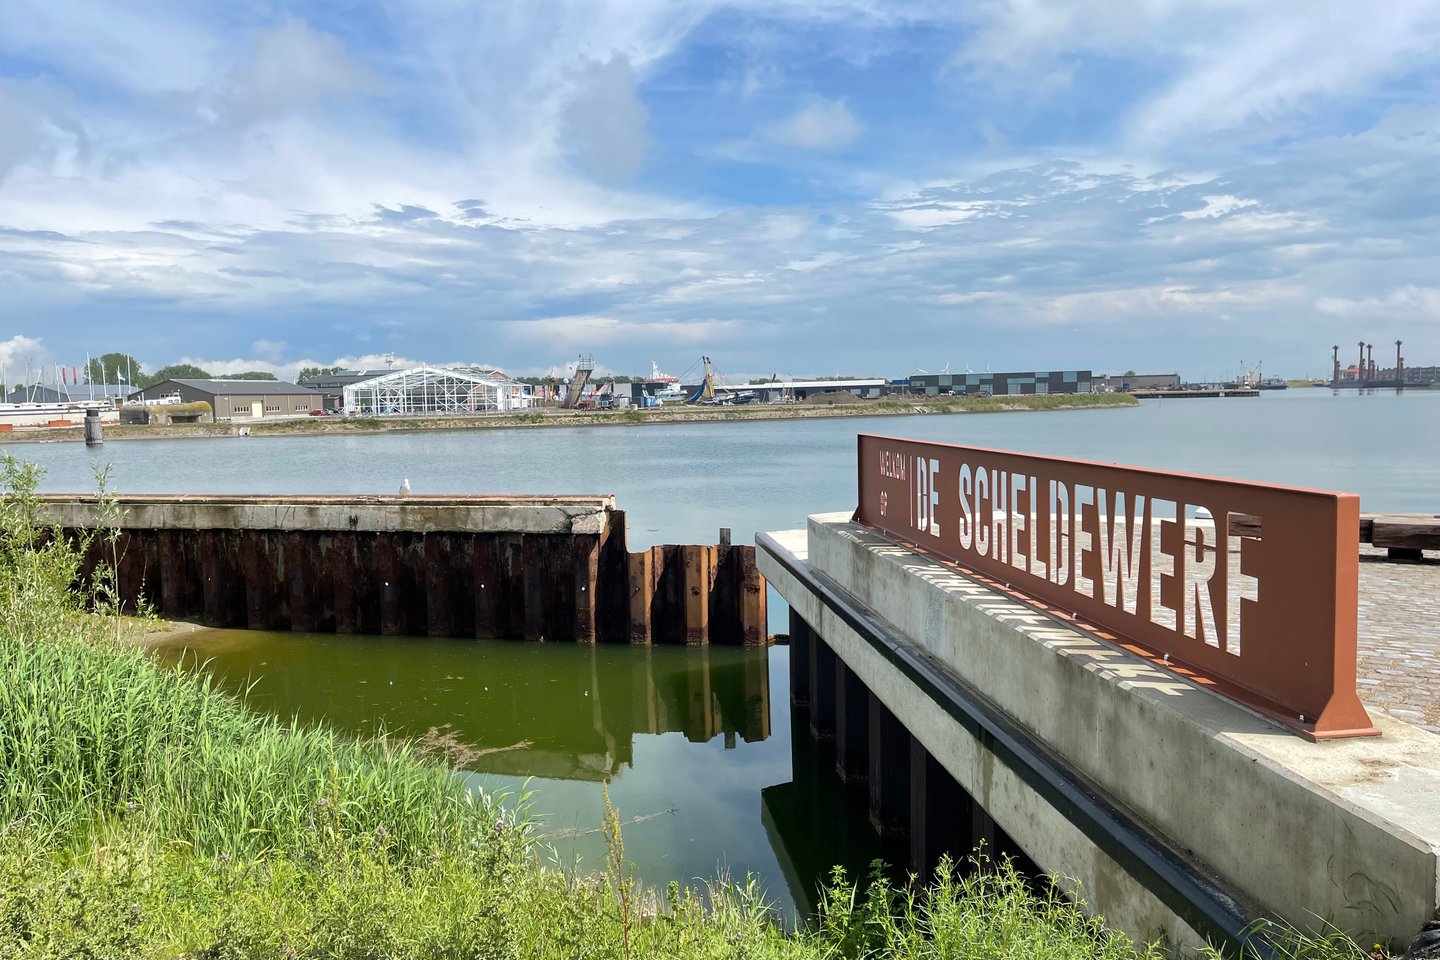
<point>419,391</point>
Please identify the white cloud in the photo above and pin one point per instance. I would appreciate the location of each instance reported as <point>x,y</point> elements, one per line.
<point>293,67</point>
<point>1221,68</point>
<point>269,349</point>
<point>611,331</point>
<point>1414,303</point>
<point>605,122</point>
<point>20,351</point>
<point>1217,207</point>
<point>819,125</point>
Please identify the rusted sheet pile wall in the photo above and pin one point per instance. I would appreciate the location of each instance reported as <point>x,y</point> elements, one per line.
<point>532,568</point>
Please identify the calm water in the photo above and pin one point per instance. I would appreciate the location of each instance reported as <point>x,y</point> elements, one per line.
<point>697,743</point>
<point>680,483</point>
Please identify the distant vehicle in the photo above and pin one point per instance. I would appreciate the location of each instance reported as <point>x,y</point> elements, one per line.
<point>319,413</point>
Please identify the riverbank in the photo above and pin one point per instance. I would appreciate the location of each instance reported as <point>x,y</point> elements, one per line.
<point>350,426</point>
<point>145,813</point>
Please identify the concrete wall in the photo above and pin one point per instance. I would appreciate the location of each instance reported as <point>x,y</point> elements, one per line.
<point>1345,830</point>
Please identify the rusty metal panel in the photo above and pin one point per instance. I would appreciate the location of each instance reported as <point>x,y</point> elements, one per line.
<point>223,582</point>
<point>548,577</point>
<point>612,605</point>
<point>385,566</point>
<point>696,592</point>
<point>129,560</point>
<point>438,580</point>
<point>511,547</point>
<point>667,605</point>
<point>486,582</point>
<point>642,592</point>
<point>1123,552</point>
<point>262,564</point>
<point>304,575</point>
<point>586,591</point>
<point>345,585</point>
<point>725,595</point>
<point>754,599</point>
<point>180,587</point>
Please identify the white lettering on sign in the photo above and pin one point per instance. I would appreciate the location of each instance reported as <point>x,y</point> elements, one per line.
<point>1245,595</point>
<point>966,488</point>
<point>1084,540</point>
<point>1199,571</point>
<point>1121,543</point>
<point>1060,543</point>
<point>1130,551</point>
<point>1167,513</point>
<point>926,516</point>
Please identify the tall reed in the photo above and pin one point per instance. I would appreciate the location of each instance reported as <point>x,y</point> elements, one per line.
<point>92,731</point>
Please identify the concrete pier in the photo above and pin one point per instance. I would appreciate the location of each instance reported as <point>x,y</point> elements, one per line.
<point>539,568</point>
<point>1173,811</point>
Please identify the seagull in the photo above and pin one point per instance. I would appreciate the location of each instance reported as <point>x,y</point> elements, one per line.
<point>405,487</point>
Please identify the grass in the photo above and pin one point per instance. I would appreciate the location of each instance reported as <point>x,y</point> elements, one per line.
<point>144,813</point>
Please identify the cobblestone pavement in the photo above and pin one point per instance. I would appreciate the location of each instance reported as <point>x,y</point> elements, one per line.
<point>1399,669</point>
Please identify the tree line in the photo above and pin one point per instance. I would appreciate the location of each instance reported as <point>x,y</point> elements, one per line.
<point>123,368</point>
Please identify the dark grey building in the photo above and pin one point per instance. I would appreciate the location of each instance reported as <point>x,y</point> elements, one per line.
<point>237,399</point>
<point>332,385</point>
<point>1001,384</point>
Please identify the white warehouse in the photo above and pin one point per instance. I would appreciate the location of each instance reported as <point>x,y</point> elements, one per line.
<point>420,391</point>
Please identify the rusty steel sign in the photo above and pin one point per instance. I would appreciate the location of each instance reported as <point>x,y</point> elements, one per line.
<point>1264,612</point>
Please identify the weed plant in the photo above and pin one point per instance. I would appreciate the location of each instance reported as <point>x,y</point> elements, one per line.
<point>144,813</point>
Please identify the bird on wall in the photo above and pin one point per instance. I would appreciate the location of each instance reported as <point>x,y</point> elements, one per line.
<point>405,487</point>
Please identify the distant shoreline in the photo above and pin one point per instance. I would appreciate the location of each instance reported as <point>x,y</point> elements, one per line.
<point>362,426</point>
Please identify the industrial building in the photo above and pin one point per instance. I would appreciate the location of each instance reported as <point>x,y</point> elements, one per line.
<point>1001,384</point>
<point>801,389</point>
<point>420,391</point>
<point>235,399</point>
<point>1124,383</point>
<point>332,385</point>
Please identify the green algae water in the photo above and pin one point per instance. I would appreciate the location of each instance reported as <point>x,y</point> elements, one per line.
<point>695,743</point>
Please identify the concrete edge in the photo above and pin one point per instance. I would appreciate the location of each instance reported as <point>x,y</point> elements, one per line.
<point>1372,806</point>
<point>538,515</point>
<point>1089,874</point>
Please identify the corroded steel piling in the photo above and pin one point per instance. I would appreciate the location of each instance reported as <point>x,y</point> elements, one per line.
<point>525,567</point>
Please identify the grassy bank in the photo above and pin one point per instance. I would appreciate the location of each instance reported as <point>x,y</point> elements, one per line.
<point>817,409</point>
<point>143,813</point>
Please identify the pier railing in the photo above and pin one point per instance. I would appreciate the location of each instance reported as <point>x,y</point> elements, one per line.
<point>1264,612</point>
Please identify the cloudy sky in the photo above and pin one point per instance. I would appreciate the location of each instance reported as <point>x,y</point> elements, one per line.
<point>793,186</point>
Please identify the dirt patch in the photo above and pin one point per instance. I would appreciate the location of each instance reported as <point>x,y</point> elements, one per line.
<point>831,398</point>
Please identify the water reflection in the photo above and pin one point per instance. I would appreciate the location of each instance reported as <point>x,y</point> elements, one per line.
<point>578,707</point>
<point>683,736</point>
<point>816,821</point>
